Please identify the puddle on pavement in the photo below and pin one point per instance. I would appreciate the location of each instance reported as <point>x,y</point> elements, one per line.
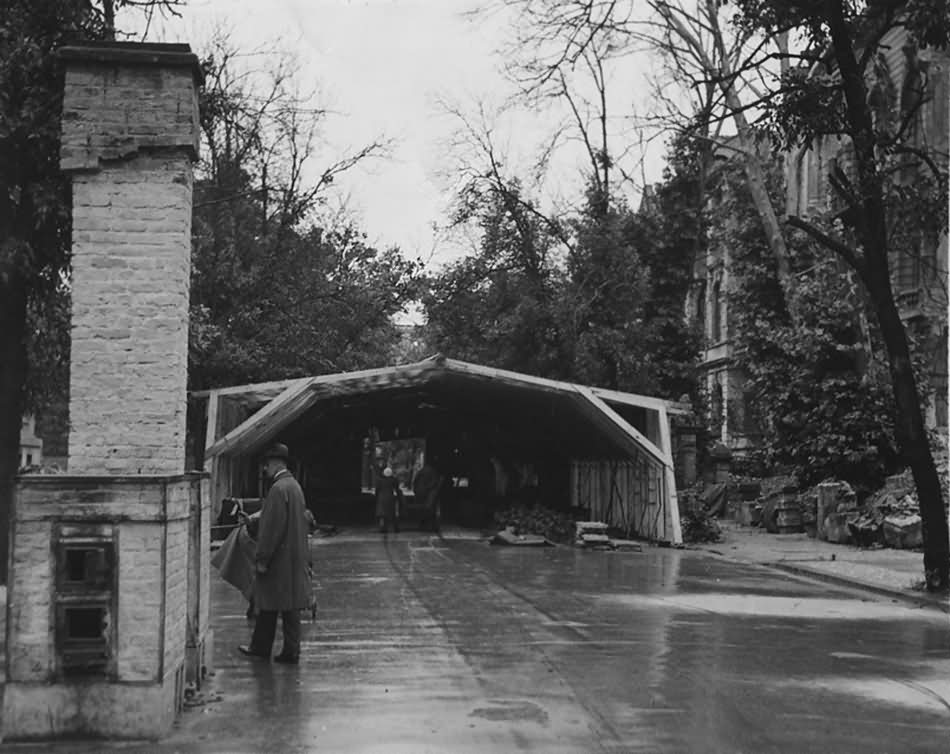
<point>817,608</point>
<point>924,696</point>
<point>506,711</point>
<point>851,656</point>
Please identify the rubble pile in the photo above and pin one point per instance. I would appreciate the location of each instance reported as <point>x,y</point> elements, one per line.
<point>536,519</point>
<point>889,517</point>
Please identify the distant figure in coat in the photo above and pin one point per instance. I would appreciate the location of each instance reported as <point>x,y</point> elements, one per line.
<point>427,487</point>
<point>282,576</point>
<point>388,501</point>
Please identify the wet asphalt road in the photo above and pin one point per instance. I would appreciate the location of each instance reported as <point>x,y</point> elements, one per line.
<point>430,645</point>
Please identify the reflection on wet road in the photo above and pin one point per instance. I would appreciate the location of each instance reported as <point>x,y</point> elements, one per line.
<point>429,645</point>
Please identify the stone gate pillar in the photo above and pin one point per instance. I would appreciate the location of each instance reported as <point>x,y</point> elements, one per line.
<point>130,134</point>
<point>108,602</point>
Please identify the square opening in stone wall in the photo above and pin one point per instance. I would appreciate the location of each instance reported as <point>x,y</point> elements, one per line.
<point>85,566</point>
<point>85,623</point>
<point>84,638</point>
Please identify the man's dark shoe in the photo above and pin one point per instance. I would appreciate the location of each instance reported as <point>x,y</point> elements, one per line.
<point>248,652</point>
<point>287,659</point>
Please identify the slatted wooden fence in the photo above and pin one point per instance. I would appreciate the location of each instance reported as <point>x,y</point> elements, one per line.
<point>629,495</point>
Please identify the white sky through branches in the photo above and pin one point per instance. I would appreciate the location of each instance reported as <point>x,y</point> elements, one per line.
<point>382,67</point>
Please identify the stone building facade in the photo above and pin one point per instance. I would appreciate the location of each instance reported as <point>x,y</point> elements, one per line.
<point>909,83</point>
<point>919,278</point>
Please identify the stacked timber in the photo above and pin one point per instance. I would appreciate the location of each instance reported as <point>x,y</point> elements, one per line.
<point>594,535</point>
<point>591,534</point>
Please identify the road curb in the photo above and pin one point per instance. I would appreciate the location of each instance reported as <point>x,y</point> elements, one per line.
<point>919,599</point>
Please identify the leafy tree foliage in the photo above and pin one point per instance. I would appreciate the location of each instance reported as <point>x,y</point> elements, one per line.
<point>819,386</point>
<point>670,234</point>
<point>277,293</point>
<point>595,297</point>
<point>323,302</point>
<point>499,306</point>
<point>608,285</point>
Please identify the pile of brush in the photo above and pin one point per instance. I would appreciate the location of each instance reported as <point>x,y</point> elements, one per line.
<point>537,519</point>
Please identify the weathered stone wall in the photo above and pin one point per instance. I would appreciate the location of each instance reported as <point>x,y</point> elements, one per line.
<point>176,594</point>
<point>129,357</point>
<point>30,652</point>
<point>140,602</point>
<point>151,519</point>
<point>122,100</point>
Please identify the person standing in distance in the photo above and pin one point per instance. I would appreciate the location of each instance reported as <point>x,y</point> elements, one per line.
<point>282,578</point>
<point>388,501</point>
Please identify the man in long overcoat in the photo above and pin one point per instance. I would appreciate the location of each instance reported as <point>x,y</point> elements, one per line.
<point>388,501</point>
<point>282,580</point>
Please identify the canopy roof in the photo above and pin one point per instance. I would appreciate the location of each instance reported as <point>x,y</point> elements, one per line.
<point>591,421</point>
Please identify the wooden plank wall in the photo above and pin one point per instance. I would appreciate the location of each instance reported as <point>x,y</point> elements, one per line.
<point>629,495</point>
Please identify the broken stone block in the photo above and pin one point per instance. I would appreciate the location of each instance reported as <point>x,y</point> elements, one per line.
<point>750,513</point>
<point>836,528</point>
<point>901,484</point>
<point>903,532</point>
<point>866,528</point>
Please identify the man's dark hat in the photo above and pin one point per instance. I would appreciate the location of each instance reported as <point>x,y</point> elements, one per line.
<point>277,450</point>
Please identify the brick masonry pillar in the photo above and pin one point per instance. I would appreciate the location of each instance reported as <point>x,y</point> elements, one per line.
<point>130,135</point>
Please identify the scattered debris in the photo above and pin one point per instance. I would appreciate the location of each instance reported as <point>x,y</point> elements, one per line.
<point>595,535</point>
<point>865,528</point>
<point>200,700</point>
<point>195,698</point>
<point>714,499</point>
<point>836,505</point>
<point>591,534</point>
<point>537,519</point>
<point>903,532</point>
<point>625,545</point>
<point>508,536</point>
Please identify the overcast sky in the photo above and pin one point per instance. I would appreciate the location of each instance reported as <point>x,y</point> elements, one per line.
<point>382,65</point>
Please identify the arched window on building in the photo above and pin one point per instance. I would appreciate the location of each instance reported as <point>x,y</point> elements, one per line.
<point>715,303</point>
<point>699,307</point>
<point>716,404</point>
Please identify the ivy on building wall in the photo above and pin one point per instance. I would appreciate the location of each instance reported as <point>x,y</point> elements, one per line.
<point>819,386</point>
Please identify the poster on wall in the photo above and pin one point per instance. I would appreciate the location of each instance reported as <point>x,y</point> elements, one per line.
<point>404,456</point>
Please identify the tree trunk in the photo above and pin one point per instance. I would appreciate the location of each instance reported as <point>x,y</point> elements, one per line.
<point>108,15</point>
<point>911,435</point>
<point>871,226</point>
<point>12,379</point>
<point>759,190</point>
